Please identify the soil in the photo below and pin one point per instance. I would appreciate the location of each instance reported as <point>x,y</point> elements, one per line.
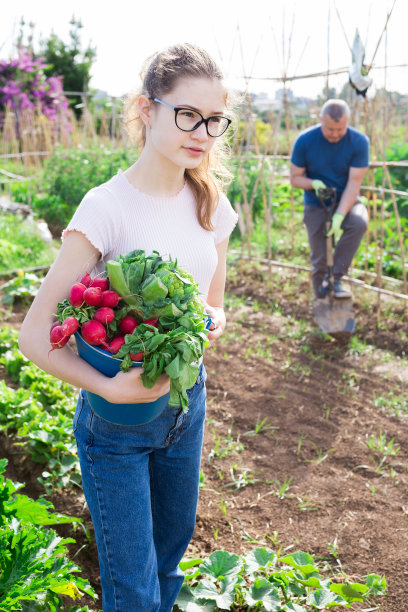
<point>307,480</point>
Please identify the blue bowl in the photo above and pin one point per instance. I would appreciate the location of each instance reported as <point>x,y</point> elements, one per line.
<point>121,414</point>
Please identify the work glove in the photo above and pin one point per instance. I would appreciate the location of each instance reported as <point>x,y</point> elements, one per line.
<point>318,184</point>
<point>335,229</point>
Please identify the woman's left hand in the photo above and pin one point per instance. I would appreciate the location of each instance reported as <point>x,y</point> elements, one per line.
<point>218,323</point>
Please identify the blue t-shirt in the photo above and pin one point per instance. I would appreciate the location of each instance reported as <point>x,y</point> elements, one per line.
<point>329,161</point>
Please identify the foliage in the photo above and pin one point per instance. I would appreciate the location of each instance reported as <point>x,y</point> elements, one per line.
<point>70,62</point>
<point>40,412</point>
<point>68,174</point>
<point>23,287</point>
<point>261,580</point>
<point>23,85</point>
<point>21,245</point>
<point>33,560</point>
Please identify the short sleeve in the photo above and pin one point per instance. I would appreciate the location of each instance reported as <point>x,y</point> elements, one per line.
<point>298,157</point>
<point>361,154</point>
<point>95,218</point>
<point>224,219</point>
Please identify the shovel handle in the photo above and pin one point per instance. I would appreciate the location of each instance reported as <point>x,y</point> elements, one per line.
<point>329,247</point>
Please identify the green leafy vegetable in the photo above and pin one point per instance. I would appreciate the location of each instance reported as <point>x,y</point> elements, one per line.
<point>158,288</point>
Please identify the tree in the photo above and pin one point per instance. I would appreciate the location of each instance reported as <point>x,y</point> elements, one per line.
<point>69,61</point>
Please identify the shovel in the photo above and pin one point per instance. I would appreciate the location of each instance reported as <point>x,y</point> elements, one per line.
<point>334,316</point>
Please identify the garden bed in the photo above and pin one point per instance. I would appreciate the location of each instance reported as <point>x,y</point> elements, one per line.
<point>306,439</point>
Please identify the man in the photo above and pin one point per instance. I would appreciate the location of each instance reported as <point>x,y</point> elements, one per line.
<point>332,154</point>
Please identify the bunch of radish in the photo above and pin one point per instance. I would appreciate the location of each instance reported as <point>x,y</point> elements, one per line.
<point>92,308</point>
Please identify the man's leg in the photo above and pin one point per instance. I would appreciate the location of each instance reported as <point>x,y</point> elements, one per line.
<point>314,218</point>
<point>354,227</point>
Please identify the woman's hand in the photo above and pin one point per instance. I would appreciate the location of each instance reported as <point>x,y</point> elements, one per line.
<point>127,388</point>
<point>219,321</point>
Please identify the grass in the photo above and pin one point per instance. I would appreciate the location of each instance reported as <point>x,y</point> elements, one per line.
<point>21,246</point>
<point>391,403</point>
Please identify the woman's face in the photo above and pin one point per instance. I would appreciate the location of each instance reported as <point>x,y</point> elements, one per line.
<point>186,149</point>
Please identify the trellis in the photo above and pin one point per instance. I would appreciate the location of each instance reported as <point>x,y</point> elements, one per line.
<point>31,138</point>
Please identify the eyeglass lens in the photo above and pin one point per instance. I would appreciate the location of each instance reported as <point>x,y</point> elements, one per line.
<point>188,120</point>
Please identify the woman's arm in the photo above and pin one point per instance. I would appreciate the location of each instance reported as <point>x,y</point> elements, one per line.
<point>76,256</point>
<point>215,298</point>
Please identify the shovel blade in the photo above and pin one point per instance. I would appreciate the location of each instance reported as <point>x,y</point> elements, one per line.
<point>334,316</point>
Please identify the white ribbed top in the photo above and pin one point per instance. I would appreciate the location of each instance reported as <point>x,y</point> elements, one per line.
<point>118,218</point>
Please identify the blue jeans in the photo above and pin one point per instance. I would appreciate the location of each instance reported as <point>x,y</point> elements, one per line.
<point>141,485</point>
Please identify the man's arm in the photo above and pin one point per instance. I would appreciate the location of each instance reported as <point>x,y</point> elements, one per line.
<point>352,189</point>
<point>298,178</point>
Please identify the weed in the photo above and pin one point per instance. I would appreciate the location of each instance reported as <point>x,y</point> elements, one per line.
<point>321,454</point>
<point>283,487</point>
<point>224,447</point>
<point>223,506</point>
<point>300,442</point>
<point>392,403</point>
<point>240,477</point>
<point>379,443</point>
<point>306,504</point>
<point>260,427</point>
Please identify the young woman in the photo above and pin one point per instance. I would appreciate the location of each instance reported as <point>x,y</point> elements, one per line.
<point>141,482</point>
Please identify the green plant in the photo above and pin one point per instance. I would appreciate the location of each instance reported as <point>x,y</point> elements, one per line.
<point>262,580</point>
<point>260,426</point>
<point>23,288</point>
<point>224,447</point>
<point>240,477</point>
<point>283,487</point>
<point>33,560</point>
<point>321,454</point>
<point>392,403</point>
<point>21,245</point>
<point>379,443</point>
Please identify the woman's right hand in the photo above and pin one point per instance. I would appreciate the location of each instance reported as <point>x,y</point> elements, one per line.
<point>127,388</point>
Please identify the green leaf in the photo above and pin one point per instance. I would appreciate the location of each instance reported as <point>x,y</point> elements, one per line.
<point>313,580</point>
<point>376,584</point>
<point>222,593</point>
<point>350,592</point>
<point>321,598</point>
<point>221,564</point>
<point>263,592</point>
<point>258,559</point>
<point>187,602</point>
<point>293,607</point>
<point>186,564</point>
<point>37,512</point>
<point>301,561</point>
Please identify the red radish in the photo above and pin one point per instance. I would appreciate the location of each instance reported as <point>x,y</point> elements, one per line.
<point>69,326</point>
<point>110,298</point>
<point>104,315</point>
<point>115,344</point>
<point>86,279</point>
<point>136,356</point>
<point>93,296</point>
<point>76,295</point>
<point>54,325</point>
<point>100,282</point>
<point>151,322</point>
<point>93,332</point>
<point>128,324</point>
<point>57,337</point>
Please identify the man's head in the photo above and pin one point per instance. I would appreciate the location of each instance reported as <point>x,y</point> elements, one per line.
<point>334,118</point>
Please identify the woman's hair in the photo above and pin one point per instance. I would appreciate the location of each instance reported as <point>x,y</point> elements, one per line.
<point>160,75</point>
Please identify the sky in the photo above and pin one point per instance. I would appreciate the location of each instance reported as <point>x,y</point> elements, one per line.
<point>254,41</point>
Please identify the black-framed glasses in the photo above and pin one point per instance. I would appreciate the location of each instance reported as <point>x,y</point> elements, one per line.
<point>189,120</point>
